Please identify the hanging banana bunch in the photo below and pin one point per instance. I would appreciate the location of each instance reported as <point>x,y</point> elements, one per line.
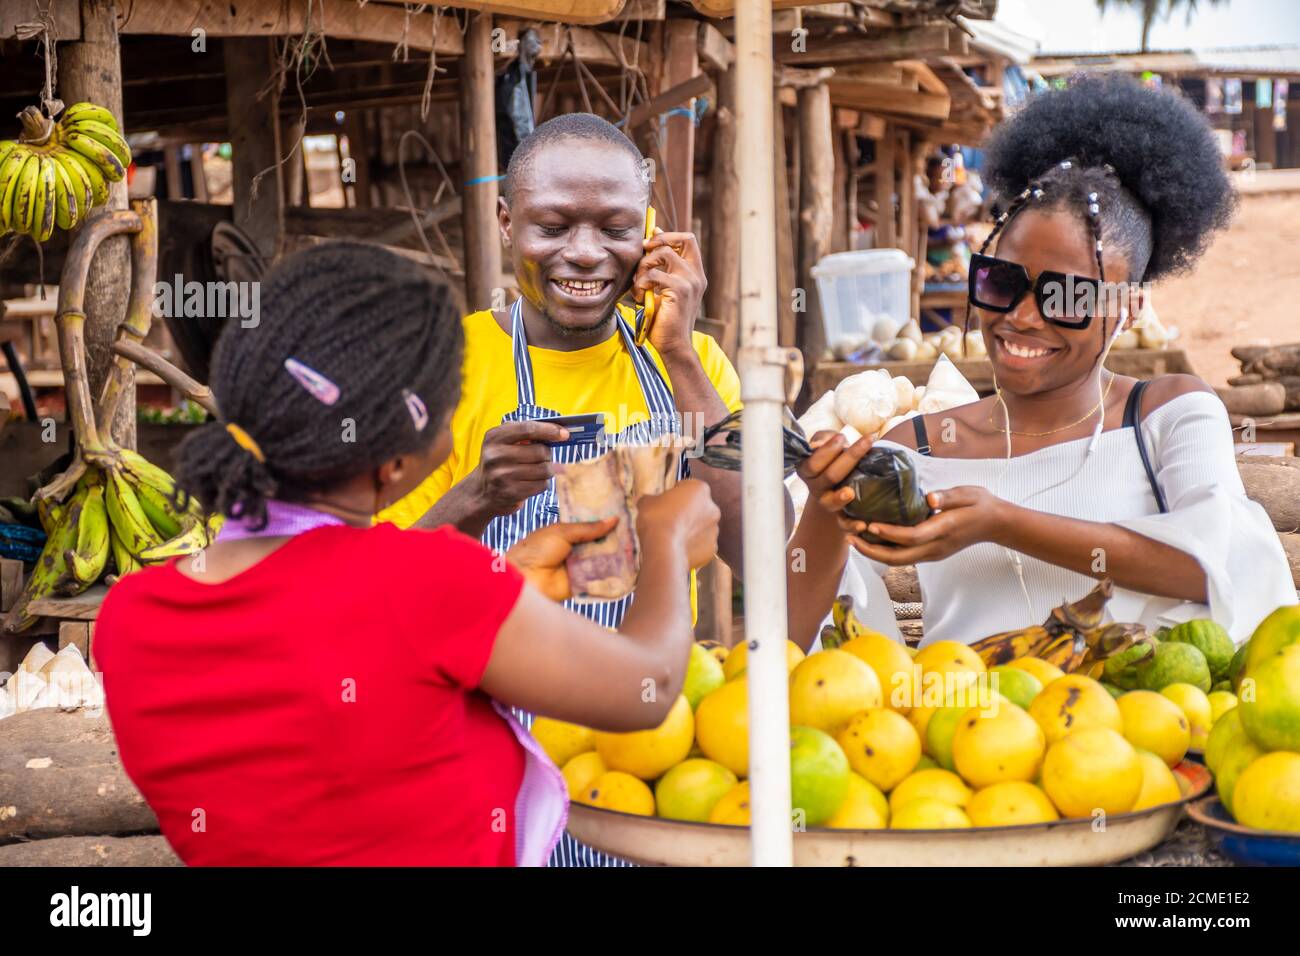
<point>55,173</point>
<point>112,511</point>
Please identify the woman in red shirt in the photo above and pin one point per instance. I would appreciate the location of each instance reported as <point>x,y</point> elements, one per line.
<point>314,690</point>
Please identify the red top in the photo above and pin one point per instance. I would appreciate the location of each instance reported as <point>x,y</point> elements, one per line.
<point>320,707</point>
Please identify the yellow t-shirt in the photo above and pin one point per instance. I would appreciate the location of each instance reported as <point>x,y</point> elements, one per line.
<point>601,378</point>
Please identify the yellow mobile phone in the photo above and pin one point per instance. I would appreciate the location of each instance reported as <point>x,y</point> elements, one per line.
<point>648,306</point>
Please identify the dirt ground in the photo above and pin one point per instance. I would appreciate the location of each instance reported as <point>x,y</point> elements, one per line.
<point>1246,290</point>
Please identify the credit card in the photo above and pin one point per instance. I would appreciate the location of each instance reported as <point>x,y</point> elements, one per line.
<point>583,429</point>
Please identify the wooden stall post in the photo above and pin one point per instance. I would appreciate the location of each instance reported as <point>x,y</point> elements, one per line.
<point>722,304</point>
<point>354,128</point>
<point>785,264</point>
<point>851,220</point>
<point>723,294</point>
<point>886,235</point>
<point>292,130</point>
<point>681,62</point>
<point>479,141</point>
<point>921,234</point>
<point>816,209</point>
<point>197,173</point>
<point>91,69</point>
<point>255,141</point>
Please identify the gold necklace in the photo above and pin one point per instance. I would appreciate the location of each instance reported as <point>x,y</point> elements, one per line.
<point>1091,412</point>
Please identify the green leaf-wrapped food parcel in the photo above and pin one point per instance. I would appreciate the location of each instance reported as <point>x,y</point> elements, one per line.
<point>884,483</point>
<point>885,489</point>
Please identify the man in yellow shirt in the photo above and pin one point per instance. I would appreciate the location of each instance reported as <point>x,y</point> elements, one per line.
<point>572,217</point>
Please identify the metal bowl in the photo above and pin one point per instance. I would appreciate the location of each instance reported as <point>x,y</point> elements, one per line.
<point>652,841</point>
<point>1243,844</point>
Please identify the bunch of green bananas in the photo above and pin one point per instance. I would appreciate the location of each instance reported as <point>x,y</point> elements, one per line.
<point>55,173</point>
<point>125,511</point>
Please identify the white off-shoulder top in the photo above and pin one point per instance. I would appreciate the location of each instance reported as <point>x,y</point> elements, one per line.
<point>1189,442</point>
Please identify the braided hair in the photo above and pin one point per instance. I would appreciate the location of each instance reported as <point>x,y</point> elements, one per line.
<point>355,358</point>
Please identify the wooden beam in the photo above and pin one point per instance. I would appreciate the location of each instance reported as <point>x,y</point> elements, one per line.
<point>875,97</point>
<point>830,11</point>
<point>344,19</point>
<point>802,79</point>
<point>876,73</point>
<point>716,51</point>
<point>595,47</point>
<point>643,10</point>
<point>816,210</point>
<point>872,127</point>
<point>91,69</point>
<point>65,13</point>
<point>255,141</point>
<point>479,165</point>
<point>679,95</point>
<point>934,40</point>
<point>927,80</point>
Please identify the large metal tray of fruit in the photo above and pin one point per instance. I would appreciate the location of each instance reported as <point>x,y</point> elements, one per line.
<point>1243,844</point>
<point>653,841</point>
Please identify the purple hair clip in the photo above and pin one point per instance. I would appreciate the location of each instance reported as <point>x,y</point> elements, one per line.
<point>316,384</point>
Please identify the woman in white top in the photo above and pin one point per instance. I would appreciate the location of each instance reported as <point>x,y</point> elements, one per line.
<point>1070,473</point>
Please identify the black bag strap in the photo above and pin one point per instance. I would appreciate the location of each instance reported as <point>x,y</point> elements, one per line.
<point>922,439</point>
<point>1132,419</point>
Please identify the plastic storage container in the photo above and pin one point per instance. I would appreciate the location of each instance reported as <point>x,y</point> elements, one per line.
<point>858,289</point>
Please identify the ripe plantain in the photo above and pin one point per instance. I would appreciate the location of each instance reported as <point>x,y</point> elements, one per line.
<point>10,167</point>
<point>1070,620</point>
<point>127,517</point>
<point>1009,645</point>
<point>146,472</point>
<point>99,187</point>
<point>44,200</point>
<point>1066,652</point>
<point>79,184</point>
<point>123,560</point>
<point>193,537</point>
<point>51,571</point>
<point>100,155</point>
<point>107,136</point>
<point>67,197</point>
<point>23,204</point>
<point>158,509</point>
<point>87,111</point>
<point>832,638</point>
<point>86,562</point>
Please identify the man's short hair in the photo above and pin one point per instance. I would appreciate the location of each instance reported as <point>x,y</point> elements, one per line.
<point>567,126</point>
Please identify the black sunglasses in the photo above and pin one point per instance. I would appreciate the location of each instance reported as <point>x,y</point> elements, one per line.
<point>1069,301</point>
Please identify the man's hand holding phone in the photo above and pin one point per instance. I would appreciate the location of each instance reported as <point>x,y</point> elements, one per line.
<point>672,270</point>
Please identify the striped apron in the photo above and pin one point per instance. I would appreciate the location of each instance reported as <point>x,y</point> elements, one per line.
<point>541,510</point>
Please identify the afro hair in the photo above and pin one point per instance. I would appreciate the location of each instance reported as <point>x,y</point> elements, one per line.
<point>1161,150</point>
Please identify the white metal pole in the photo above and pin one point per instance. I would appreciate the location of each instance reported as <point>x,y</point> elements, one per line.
<point>762,378</point>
